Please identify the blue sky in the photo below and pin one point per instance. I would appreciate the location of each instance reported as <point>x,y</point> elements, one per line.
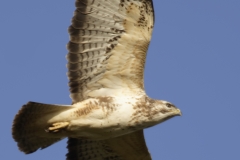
<point>193,61</point>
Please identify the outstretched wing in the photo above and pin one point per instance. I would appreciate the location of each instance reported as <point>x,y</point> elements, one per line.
<point>107,49</point>
<point>128,147</point>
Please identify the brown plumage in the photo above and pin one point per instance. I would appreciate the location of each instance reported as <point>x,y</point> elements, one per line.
<point>30,124</point>
<point>108,44</point>
<point>127,147</point>
<point>100,38</point>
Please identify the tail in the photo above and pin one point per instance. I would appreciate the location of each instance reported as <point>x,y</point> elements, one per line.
<point>30,124</point>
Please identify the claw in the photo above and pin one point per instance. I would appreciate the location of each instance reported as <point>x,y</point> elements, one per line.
<point>56,127</point>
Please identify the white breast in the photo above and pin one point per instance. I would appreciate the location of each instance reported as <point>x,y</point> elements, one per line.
<point>104,120</point>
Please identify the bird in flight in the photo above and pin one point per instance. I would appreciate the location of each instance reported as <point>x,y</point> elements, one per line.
<point>106,56</point>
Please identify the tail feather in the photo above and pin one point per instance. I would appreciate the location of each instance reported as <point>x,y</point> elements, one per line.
<point>30,123</point>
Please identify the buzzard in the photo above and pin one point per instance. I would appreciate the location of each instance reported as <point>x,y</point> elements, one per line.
<point>107,52</point>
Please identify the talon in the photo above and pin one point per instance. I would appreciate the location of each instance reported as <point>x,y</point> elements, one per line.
<point>56,127</point>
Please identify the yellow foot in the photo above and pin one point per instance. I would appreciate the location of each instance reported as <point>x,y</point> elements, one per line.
<point>56,127</point>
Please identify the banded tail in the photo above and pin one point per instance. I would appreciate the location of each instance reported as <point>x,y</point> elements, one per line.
<point>30,124</point>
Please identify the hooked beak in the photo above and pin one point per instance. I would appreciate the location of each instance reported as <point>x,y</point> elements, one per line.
<point>178,112</point>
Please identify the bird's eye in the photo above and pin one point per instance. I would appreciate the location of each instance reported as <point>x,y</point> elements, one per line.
<point>168,105</point>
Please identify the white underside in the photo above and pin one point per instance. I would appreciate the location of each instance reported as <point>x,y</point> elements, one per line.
<point>99,123</point>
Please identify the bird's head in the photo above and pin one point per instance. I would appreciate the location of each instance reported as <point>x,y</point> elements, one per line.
<point>165,110</point>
